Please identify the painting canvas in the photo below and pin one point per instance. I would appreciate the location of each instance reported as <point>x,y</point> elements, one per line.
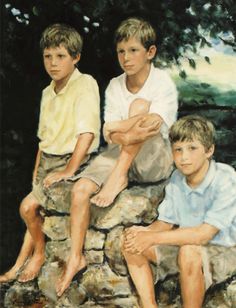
<point>196,46</point>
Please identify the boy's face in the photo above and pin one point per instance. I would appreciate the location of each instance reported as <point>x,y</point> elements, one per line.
<point>58,63</point>
<point>133,57</point>
<point>190,157</point>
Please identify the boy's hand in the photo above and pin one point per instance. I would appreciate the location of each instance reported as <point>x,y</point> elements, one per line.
<point>137,239</point>
<point>107,135</point>
<point>141,130</point>
<point>54,177</point>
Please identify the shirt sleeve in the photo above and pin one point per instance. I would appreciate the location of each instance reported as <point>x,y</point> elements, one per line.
<point>88,108</point>
<point>165,100</point>
<point>166,209</point>
<point>111,111</point>
<point>222,212</point>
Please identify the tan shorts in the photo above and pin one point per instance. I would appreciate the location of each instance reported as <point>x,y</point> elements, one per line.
<point>219,263</point>
<point>50,163</point>
<point>153,163</point>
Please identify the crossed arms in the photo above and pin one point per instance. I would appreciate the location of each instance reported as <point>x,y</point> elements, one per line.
<point>134,130</point>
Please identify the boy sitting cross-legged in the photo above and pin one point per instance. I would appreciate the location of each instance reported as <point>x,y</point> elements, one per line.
<point>197,218</point>
<point>68,130</point>
<point>140,106</point>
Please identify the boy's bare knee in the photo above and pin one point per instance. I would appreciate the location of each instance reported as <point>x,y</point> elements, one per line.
<point>28,206</point>
<point>84,188</point>
<point>190,258</point>
<point>139,106</point>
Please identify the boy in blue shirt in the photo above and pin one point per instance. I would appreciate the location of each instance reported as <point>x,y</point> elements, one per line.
<point>196,222</point>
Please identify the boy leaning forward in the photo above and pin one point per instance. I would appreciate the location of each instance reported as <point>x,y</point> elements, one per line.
<point>195,232</point>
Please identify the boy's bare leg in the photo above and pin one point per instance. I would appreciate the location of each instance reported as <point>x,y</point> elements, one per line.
<point>140,271</point>
<point>191,276</point>
<point>25,252</point>
<point>118,179</point>
<point>29,212</point>
<point>80,216</point>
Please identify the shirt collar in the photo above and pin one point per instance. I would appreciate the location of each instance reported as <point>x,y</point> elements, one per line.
<point>76,73</point>
<point>205,183</point>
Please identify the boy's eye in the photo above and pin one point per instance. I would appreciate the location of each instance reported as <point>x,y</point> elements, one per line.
<point>46,56</point>
<point>177,149</point>
<point>120,51</point>
<point>61,56</point>
<point>134,49</point>
<point>192,148</point>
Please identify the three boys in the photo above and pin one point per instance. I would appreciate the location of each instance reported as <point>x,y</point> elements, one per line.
<point>197,218</point>
<point>141,104</point>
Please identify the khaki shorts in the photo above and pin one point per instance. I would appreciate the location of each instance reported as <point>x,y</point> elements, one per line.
<point>153,163</point>
<point>219,262</point>
<point>51,163</point>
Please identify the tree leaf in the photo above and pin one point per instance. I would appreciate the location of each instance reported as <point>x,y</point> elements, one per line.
<point>76,8</point>
<point>35,11</point>
<point>207,59</point>
<point>183,74</point>
<point>192,63</point>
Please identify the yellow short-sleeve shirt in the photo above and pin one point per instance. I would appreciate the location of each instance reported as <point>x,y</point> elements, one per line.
<point>65,115</point>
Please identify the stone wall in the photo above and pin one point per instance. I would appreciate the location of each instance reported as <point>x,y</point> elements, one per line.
<point>106,282</point>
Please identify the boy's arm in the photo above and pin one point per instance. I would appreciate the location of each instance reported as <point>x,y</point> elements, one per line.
<point>199,235</point>
<point>121,126</point>
<point>36,164</point>
<point>83,143</point>
<point>135,130</point>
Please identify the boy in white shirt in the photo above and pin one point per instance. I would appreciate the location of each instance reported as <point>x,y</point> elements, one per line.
<point>140,106</point>
<point>69,129</point>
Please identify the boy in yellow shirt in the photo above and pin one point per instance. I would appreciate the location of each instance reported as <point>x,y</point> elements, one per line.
<point>68,130</point>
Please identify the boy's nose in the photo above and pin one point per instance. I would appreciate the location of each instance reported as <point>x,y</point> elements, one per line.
<point>184,155</point>
<point>126,56</point>
<point>54,61</point>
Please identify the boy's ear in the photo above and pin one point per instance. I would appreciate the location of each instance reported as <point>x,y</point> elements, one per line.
<point>76,59</point>
<point>152,52</point>
<point>210,152</point>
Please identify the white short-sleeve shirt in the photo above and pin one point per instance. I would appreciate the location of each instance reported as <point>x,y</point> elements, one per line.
<point>159,89</point>
<point>212,202</point>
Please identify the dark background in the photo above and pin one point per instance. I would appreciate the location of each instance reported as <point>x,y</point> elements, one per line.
<point>23,77</point>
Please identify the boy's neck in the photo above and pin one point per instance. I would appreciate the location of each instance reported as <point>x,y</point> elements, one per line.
<point>60,84</point>
<point>135,82</point>
<point>194,180</point>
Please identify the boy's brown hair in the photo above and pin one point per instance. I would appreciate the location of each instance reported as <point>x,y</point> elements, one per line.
<point>193,127</point>
<point>61,34</point>
<point>138,28</point>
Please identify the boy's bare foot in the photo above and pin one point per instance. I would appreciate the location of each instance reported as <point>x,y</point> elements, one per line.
<point>114,185</point>
<point>10,275</point>
<point>73,266</point>
<point>32,268</point>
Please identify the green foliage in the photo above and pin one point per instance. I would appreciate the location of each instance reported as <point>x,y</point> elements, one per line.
<point>180,27</point>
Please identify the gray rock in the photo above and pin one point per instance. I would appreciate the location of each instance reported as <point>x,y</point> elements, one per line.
<point>101,283</point>
<point>113,251</point>
<point>134,206</point>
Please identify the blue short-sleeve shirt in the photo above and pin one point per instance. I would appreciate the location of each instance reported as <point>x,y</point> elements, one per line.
<point>212,202</point>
